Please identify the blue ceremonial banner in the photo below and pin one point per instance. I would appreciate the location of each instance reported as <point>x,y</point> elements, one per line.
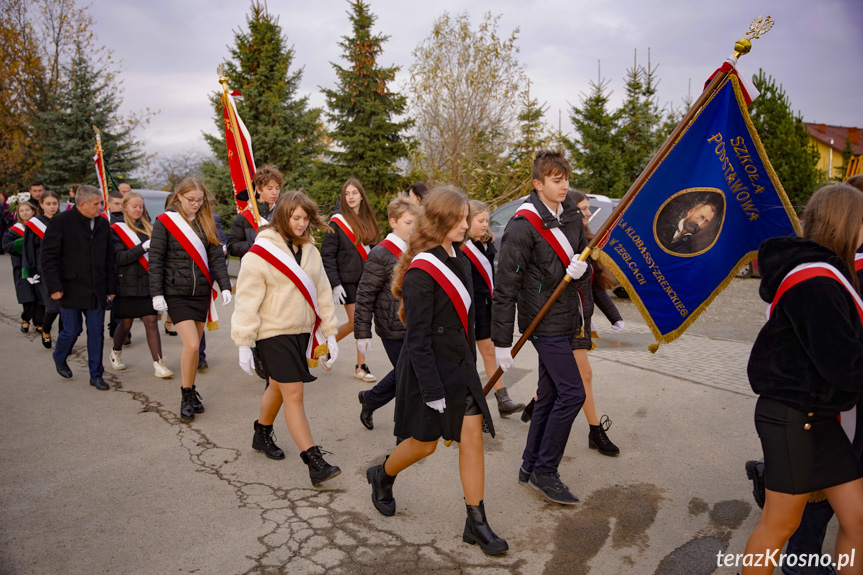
<point>699,218</point>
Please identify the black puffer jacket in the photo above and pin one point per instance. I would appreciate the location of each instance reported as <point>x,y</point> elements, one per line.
<point>809,354</point>
<point>242,234</point>
<point>342,260</point>
<point>132,279</point>
<point>528,272</point>
<point>173,272</point>
<point>375,296</point>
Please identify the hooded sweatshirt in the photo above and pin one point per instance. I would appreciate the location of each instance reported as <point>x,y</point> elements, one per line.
<point>809,354</point>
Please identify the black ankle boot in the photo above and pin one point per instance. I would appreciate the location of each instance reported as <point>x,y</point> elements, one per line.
<point>196,401</point>
<point>506,406</point>
<point>366,414</point>
<point>187,409</point>
<point>597,439</point>
<point>477,530</point>
<point>319,470</point>
<point>265,440</point>
<point>528,411</point>
<point>382,489</point>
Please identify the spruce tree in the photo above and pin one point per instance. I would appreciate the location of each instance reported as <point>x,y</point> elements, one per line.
<point>363,111</point>
<point>847,154</point>
<point>594,148</point>
<point>640,124</point>
<point>786,140</point>
<point>283,129</point>
<point>88,96</point>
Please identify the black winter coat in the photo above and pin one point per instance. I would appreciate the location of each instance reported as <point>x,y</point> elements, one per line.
<point>132,279</point>
<point>173,272</point>
<point>78,261</point>
<point>242,234</point>
<point>529,271</point>
<point>437,360</point>
<point>809,354</point>
<point>24,292</point>
<point>342,261</point>
<point>374,296</point>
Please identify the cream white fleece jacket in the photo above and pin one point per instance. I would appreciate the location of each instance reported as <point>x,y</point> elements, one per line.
<point>269,304</point>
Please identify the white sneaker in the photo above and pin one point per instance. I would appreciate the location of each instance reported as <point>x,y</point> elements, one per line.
<point>117,360</point>
<point>363,373</point>
<point>162,370</point>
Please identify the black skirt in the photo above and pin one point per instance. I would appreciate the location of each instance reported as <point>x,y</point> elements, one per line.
<point>132,307</point>
<point>802,452</point>
<point>284,357</point>
<point>188,307</point>
<point>350,292</point>
<point>482,316</point>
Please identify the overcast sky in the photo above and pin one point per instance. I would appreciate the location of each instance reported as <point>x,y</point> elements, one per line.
<point>169,49</point>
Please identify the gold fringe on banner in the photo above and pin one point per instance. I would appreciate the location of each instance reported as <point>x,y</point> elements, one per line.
<point>319,351</point>
<point>212,325</point>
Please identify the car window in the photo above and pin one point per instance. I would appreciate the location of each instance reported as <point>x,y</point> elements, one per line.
<point>155,207</point>
<point>502,216</point>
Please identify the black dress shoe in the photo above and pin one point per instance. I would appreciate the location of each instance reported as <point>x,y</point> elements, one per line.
<point>46,340</point>
<point>99,383</point>
<point>202,365</point>
<point>366,414</point>
<point>63,369</point>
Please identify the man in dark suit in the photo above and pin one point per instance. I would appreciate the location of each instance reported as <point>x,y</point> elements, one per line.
<point>78,270</point>
<point>677,234</point>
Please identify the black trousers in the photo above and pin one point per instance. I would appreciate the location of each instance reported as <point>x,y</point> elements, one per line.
<point>385,390</point>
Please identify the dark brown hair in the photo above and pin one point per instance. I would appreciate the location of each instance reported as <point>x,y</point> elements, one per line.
<point>550,163</point>
<point>265,174</point>
<point>442,209</point>
<point>833,218</point>
<point>280,220</point>
<point>365,226</point>
<point>204,215</point>
<point>856,181</point>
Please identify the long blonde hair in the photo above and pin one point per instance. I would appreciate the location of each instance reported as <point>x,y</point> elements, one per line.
<point>832,218</point>
<point>477,207</point>
<point>442,209</point>
<point>145,222</point>
<point>204,215</point>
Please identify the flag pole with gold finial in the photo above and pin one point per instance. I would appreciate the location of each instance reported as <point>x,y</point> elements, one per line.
<point>100,167</point>
<point>238,142</point>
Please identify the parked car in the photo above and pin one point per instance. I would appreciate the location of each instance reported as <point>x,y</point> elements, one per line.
<point>154,202</point>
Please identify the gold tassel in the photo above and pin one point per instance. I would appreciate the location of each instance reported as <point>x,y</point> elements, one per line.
<point>211,325</point>
<point>817,497</point>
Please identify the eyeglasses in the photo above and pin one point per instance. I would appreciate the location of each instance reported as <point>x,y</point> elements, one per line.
<point>191,201</point>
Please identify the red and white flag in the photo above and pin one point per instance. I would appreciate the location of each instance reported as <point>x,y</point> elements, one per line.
<point>241,194</point>
<point>750,92</point>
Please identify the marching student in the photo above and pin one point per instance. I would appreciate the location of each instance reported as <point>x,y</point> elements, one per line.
<point>115,207</point>
<point>479,249</point>
<point>344,251</point>
<point>375,298</point>
<point>13,243</point>
<point>31,260</point>
<point>131,239</point>
<point>438,391</point>
<point>540,246</point>
<point>416,192</point>
<point>186,257</point>
<point>268,183</point>
<point>285,310</point>
<point>806,368</point>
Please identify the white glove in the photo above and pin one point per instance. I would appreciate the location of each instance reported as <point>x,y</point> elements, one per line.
<point>247,361</point>
<point>262,221</point>
<point>146,245</point>
<point>226,297</point>
<point>225,249</point>
<point>333,346</point>
<point>438,405</point>
<point>33,280</point>
<point>364,346</point>
<point>617,326</point>
<point>339,295</point>
<point>503,357</point>
<point>576,268</point>
<point>159,303</point>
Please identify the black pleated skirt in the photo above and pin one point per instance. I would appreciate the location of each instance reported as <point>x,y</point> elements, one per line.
<point>186,308</point>
<point>284,357</point>
<point>131,306</point>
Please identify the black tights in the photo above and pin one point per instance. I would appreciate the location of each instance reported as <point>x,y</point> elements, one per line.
<point>28,313</point>
<point>151,325</point>
<point>48,322</point>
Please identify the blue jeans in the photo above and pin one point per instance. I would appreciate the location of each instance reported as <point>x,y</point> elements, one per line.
<point>385,390</point>
<point>560,395</point>
<point>73,323</point>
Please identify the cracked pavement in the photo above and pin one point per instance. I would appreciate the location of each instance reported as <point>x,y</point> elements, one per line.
<point>116,482</point>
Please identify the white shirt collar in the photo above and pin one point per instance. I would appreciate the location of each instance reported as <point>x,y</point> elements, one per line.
<point>557,213</point>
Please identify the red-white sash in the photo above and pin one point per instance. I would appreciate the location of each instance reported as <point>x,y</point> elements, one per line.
<point>394,244</point>
<point>481,263</point>
<point>131,239</point>
<point>250,217</point>
<point>858,262</point>
<point>450,283</point>
<point>804,272</point>
<point>287,264</point>
<point>18,228</point>
<point>36,226</point>
<point>554,236</point>
<point>340,221</point>
<point>186,236</point>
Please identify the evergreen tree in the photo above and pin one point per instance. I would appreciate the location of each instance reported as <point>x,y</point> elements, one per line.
<point>786,140</point>
<point>88,97</point>
<point>847,154</point>
<point>594,148</point>
<point>284,130</point>
<point>362,111</point>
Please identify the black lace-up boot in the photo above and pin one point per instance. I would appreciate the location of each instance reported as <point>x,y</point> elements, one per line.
<point>265,440</point>
<point>597,439</point>
<point>196,401</point>
<point>319,470</point>
<point>187,409</point>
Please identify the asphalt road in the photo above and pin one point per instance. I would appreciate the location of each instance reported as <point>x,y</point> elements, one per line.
<point>114,482</point>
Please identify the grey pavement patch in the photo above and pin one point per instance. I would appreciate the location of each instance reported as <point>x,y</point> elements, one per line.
<point>695,557</point>
<point>697,506</point>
